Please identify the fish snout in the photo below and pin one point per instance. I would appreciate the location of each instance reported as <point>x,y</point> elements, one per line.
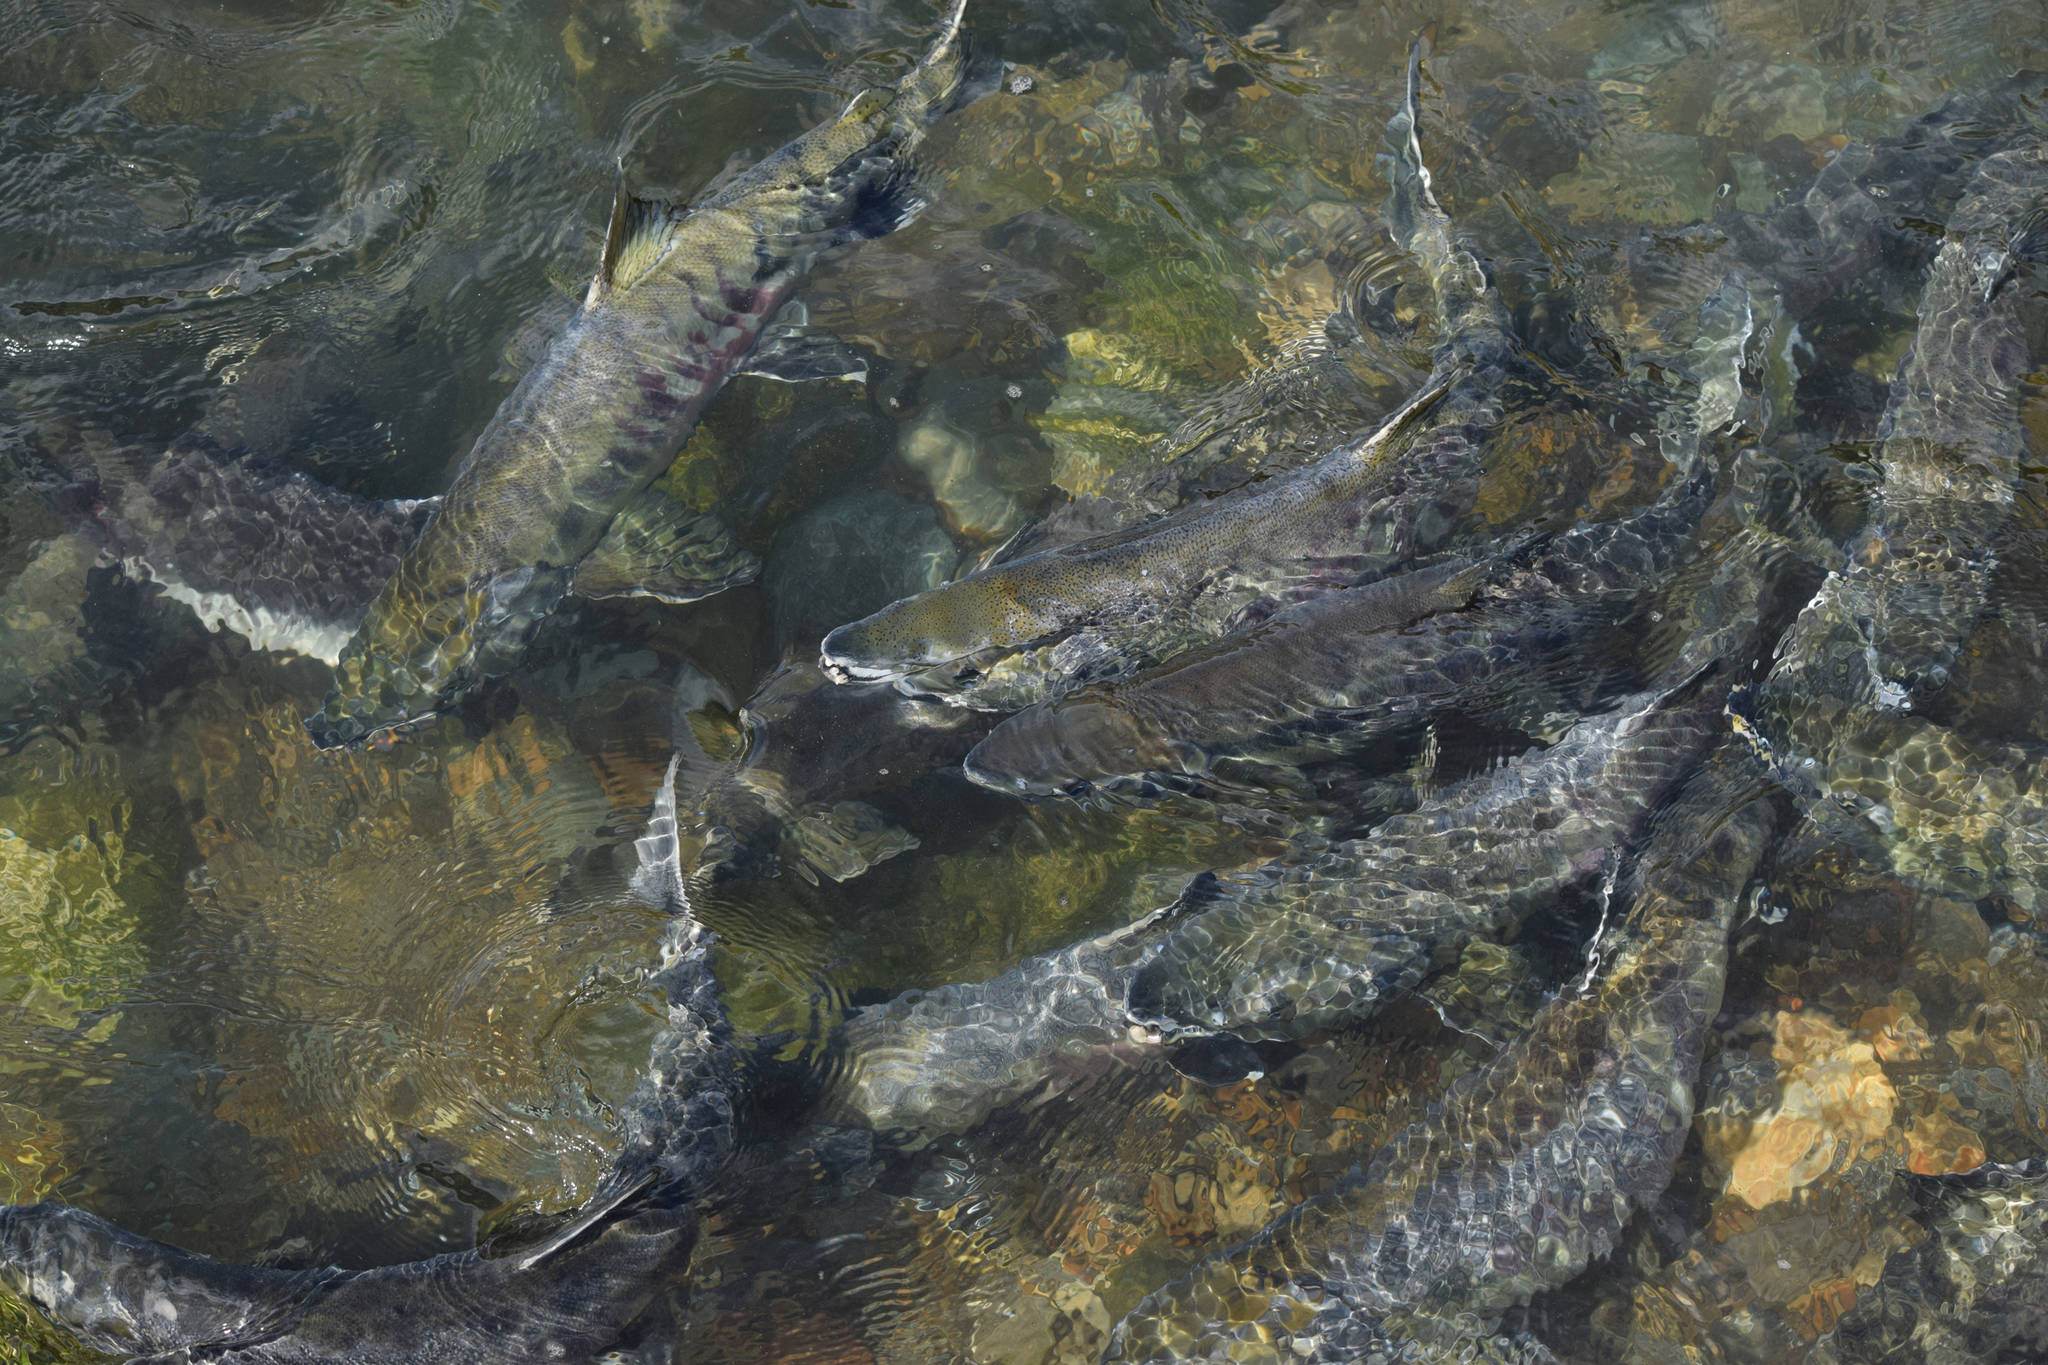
<point>849,655</point>
<point>964,621</point>
<point>1006,763</point>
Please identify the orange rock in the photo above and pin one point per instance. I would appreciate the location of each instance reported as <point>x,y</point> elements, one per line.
<point>1822,1306</point>
<point>1834,1108</point>
<point>1936,1144</point>
<point>1184,1204</point>
<point>1894,1034</point>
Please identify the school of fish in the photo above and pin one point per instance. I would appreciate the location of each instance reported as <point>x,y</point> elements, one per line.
<point>1700,680</point>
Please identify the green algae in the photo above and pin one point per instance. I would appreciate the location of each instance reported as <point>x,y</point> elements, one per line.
<point>80,869</point>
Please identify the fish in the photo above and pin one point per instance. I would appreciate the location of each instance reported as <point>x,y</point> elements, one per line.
<point>1515,638</point>
<point>1843,712</point>
<point>594,1286</point>
<point>1858,233</point>
<point>941,1060</point>
<point>1529,1168</point>
<point>1949,447</point>
<point>1382,911</point>
<point>267,553</point>
<point>1105,606</point>
<point>1331,933</point>
<point>790,793</point>
<point>681,296</point>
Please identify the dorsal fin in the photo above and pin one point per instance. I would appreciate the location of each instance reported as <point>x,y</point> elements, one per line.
<point>627,237</point>
<point>601,1206</point>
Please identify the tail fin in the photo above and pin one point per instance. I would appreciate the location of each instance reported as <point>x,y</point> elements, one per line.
<point>1465,298</point>
<point>937,76</point>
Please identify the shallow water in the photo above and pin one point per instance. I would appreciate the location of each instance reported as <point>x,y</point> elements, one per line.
<point>357,1008</point>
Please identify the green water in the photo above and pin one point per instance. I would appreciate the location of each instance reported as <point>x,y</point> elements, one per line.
<point>359,1008</point>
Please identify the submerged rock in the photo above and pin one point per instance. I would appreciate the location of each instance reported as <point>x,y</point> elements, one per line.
<point>1835,1105</point>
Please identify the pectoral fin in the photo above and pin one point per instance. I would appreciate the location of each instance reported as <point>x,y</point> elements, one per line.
<point>659,548</point>
<point>789,351</point>
<point>844,840</point>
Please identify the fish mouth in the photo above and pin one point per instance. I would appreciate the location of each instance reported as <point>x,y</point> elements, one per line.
<point>846,655</point>
<point>843,668</point>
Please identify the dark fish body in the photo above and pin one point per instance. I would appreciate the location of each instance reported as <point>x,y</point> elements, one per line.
<point>940,1060</point>
<point>679,302</point>
<point>1285,948</point>
<point>1861,226</point>
<point>1105,606</point>
<point>1334,933</point>
<point>144,1300</point>
<point>1526,1171</point>
<point>272,555</point>
<point>1514,639</point>
<point>812,749</point>
<point>1878,639</point>
<point>1241,547</point>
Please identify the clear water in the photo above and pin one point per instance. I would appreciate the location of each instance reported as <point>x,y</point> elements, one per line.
<point>358,1008</point>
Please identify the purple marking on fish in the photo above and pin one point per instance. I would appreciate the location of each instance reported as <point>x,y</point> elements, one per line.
<point>724,321</point>
<point>740,298</point>
<point>655,399</point>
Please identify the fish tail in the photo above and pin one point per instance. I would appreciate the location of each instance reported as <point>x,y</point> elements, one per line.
<point>1418,221</point>
<point>938,76</point>
<point>1464,296</point>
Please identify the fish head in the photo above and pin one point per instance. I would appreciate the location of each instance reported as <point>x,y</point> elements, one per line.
<point>981,615</point>
<point>891,643</point>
